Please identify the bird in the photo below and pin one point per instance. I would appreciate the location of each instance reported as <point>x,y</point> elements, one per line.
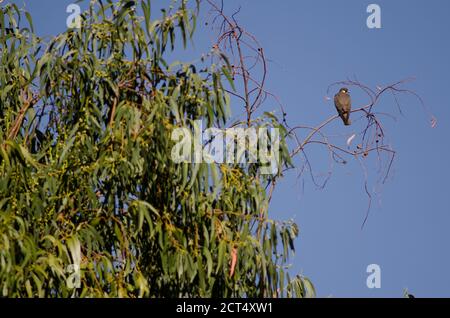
<point>343,104</point>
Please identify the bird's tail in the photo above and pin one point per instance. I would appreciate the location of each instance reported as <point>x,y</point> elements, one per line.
<point>346,118</point>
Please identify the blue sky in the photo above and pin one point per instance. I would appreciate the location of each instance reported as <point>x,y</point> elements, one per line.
<point>311,44</point>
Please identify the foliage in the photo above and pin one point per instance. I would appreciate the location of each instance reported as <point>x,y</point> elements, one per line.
<point>86,175</point>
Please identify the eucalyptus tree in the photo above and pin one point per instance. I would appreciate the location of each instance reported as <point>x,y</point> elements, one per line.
<point>91,202</point>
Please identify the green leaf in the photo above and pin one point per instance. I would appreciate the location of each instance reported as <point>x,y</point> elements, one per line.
<point>221,255</point>
<point>230,79</point>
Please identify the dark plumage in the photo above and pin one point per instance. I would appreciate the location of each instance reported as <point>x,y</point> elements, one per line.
<point>343,104</point>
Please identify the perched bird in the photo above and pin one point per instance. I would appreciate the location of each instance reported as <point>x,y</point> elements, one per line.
<point>343,105</point>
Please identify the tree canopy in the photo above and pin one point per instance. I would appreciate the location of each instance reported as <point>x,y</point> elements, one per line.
<point>91,203</point>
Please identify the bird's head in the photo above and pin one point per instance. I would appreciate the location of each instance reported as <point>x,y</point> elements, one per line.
<point>343,90</point>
